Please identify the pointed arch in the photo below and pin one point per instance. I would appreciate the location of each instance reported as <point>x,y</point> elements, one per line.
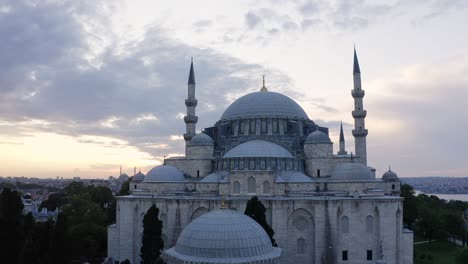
<point>236,187</point>
<point>344,226</point>
<point>301,229</point>
<point>370,224</point>
<point>266,187</point>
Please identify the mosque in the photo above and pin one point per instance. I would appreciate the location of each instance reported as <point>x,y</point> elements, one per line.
<point>324,207</point>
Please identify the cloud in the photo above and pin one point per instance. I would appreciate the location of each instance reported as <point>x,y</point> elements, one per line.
<point>132,91</point>
<point>423,106</point>
<point>252,20</point>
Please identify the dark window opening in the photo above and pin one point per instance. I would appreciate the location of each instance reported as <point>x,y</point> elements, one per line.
<point>393,186</point>
<point>198,173</point>
<point>318,173</point>
<point>369,254</point>
<point>135,186</point>
<point>344,255</point>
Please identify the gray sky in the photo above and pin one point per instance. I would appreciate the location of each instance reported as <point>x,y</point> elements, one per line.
<point>87,85</point>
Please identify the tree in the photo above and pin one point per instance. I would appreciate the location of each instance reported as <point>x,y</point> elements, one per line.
<point>256,210</point>
<point>125,188</point>
<point>462,256</point>
<point>59,251</point>
<point>152,242</point>
<point>453,225</point>
<point>410,205</point>
<point>11,226</point>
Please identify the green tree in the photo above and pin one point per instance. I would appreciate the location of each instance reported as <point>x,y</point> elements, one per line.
<point>54,201</point>
<point>75,188</point>
<point>125,188</point>
<point>462,256</point>
<point>453,224</point>
<point>59,250</point>
<point>11,226</point>
<point>152,242</point>
<point>257,211</point>
<point>410,205</point>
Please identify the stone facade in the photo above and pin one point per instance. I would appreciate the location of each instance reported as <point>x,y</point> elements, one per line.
<point>324,208</point>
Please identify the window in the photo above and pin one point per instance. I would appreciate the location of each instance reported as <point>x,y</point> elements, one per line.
<point>236,187</point>
<point>393,186</point>
<point>344,224</point>
<point>344,255</point>
<point>251,185</point>
<point>369,254</point>
<point>264,126</point>
<point>135,187</point>
<point>266,187</point>
<point>301,246</point>
<point>241,164</point>
<point>241,127</point>
<point>369,224</point>
<point>252,164</point>
<point>262,164</point>
<point>318,173</point>
<point>252,126</point>
<point>275,125</point>
<point>198,173</point>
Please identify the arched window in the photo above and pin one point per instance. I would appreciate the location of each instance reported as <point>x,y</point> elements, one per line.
<point>236,187</point>
<point>251,185</point>
<point>344,224</point>
<point>369,224</point>
<point>266,187</point>
<point>301,246</point>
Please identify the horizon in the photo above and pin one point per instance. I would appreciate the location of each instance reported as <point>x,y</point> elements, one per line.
<point>88,87</point>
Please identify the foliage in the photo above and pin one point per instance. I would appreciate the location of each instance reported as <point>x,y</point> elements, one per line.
<point>11,226</point>
<point>431,217</point>
<point>152,242</point>
<point>125,188</point>
<point>54,201</point>
<point>462,256</point>
<point>437,252</point>
<point>256,210</point>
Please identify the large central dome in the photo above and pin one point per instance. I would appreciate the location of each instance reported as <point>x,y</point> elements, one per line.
<point>264,104</point>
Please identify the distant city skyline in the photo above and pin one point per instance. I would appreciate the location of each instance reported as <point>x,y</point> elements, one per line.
<point>87,87</point>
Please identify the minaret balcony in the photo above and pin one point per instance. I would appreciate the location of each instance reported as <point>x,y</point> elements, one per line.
<point>187,136</point>
<point>191,102</point>
<point>190,119</point>
<point>360,132</point>
<point>359,113</point>
<point>357,93</point>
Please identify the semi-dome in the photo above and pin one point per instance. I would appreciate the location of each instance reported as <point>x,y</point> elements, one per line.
<point>317,137</point>
<point>264,104</point>
<point>258,148</point>
<point>138,177</point>
<point>201,139</point>
<point>389,176</point>
<point>223,236</point>
<point>164,173</point>
<point>351,171</point>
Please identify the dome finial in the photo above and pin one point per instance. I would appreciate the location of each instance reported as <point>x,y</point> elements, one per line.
<point>263,89</point>
<point>164,159</point>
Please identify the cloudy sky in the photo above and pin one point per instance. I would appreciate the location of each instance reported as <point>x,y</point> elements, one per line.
<point>86,86</point>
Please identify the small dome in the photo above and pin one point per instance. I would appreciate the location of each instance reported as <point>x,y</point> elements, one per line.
<point>258,148</point>
<point>224,236</point>
<point>351,171</point>
<point>138,177</point>
<point>264,104</point>
<point>164,173</point>
<point>389,176</point>
<point>317,137</point>
<point>201,139</point>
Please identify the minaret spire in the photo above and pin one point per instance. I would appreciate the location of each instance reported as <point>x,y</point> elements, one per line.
<point>264,89</point>
<point>190,119</point>
<point>342,142</point>
<point>359,114</point>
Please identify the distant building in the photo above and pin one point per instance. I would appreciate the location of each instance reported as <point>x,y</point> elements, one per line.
<point>323,207</point>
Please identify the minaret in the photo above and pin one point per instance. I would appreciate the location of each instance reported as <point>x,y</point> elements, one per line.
<point>190,119</point>
<point>342,142</point>
<point>359,115</point>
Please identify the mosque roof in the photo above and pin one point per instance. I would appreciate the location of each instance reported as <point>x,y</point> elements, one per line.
<point>215,177</point>
<point>164,173</point>
<point>201,139</point>
<point>264,104</point>
<point>389,176</point>
<point>138,177</point>
<point>223,236</point>
<point>351,171</point>
<point>292,176</point>
<point>317,137</point>
<point>258,148</point>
